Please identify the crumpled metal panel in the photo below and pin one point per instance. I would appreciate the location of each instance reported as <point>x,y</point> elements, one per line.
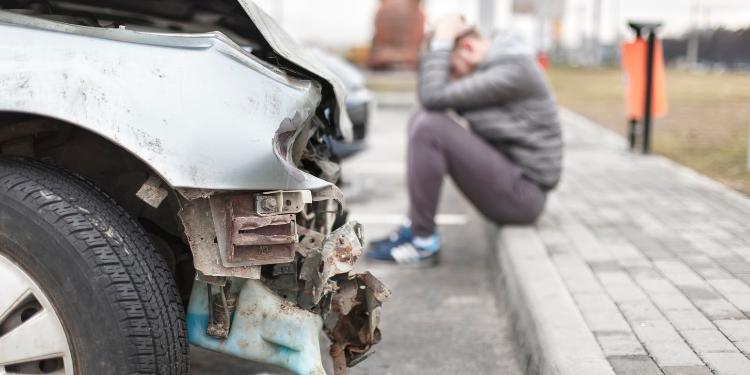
<point>283,44</point>
<point>352,324</point>
<point>349,303</point>
<point>337,256</point>
<point>197,108</point>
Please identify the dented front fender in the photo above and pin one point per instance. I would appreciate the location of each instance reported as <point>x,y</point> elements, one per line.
<point>198,109</point>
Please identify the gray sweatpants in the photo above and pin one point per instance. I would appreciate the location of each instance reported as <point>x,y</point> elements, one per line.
<point>497,187</point>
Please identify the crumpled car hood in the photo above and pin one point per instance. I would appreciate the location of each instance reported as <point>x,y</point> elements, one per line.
<point>283,45</point>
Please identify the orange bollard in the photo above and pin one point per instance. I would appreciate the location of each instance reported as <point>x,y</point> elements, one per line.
<point>645,83</point>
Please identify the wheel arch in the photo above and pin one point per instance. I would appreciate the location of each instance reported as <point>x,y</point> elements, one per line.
<point>119,172</point>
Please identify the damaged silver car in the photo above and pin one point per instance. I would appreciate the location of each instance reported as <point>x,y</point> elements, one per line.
<point>166,177</point>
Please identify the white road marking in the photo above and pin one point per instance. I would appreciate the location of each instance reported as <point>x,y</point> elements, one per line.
<point>377,168</point>
<point>396,219</point>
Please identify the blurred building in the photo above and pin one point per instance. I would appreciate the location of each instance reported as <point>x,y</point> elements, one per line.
<point>399,30</point>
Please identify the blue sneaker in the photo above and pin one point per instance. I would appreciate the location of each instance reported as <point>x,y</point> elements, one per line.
<point>415,252</point>
<point>400,236</point>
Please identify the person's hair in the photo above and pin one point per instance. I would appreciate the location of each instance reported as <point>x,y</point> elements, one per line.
<point>469,33</point>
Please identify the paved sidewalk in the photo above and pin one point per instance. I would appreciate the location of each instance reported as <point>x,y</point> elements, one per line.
<point>639,266</point>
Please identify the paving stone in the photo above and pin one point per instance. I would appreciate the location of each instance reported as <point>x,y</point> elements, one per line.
<point>671,301</point>
<point>727,363</point>
<point>686,370</point>
<point>735,330</point>
<point>708,341</point>
<point>657,253</point>
<point>656,285</point>
<point>718,309</point>
<point>551,235</point>
<point>643,271</point>
<point>620,343</point>
<point>625,293</point>
<point>656,331</point>
<point>555,249</point>
<point>735,265</point>
<point>730,286</point>
<point>743,346</point>
<point>576,274</point>
<point>699,292</point>
<point>634,365</point>
<point>585,242</point>
<point>741,301</point>
<point>688,319</point>
<point>672,353</point>
<point>678,272</point>
<point>605,266</point>
<point>713,272</point>
<point>613,278</point>
<point>640,311</point>
<point>628,255</point>
<point>594,301</point>
<point>605,321</point>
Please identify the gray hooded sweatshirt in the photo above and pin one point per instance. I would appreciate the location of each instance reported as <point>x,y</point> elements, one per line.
<point>507,101</point>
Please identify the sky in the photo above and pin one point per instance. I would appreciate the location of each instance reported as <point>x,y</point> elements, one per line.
<point>341,24</point>
<point>678,16</point>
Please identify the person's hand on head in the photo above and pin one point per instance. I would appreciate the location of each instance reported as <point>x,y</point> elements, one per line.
<point>450,27</point>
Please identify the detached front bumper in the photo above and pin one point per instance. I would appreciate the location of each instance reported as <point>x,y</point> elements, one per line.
<point>267,286</point>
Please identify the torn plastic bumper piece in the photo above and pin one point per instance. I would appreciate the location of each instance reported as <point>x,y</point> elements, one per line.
<point>265,328</point>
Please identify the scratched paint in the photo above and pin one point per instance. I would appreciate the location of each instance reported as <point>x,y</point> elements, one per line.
<point>176,101</point>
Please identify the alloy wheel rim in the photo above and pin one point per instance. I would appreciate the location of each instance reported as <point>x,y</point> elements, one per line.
<point>32,337</point>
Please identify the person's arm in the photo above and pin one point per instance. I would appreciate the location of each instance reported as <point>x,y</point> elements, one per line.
<point>493,86</point>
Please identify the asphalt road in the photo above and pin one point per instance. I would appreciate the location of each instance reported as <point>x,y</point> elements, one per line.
<point>444,320</point>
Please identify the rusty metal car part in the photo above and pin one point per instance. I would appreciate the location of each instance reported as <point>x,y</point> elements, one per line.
<point>283,279</point>
<point>204,240</point>
<point>349,303</point>
<point>258,240</point>
<point>281,202</point>
<point>222,304</point>
<point>228,237</point>
<point>309,241</point>
<point>352,323</point>
<point>337,255</point>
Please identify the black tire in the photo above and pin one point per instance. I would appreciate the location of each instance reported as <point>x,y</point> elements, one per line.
<point>113,292</point>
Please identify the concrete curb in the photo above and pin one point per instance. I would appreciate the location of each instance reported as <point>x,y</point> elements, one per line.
<point>552,334</point>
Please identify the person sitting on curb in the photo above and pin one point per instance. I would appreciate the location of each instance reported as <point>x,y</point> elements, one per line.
<point>490,121</point>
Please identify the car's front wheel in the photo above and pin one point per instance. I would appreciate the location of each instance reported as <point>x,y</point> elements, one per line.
<point>82,288</point>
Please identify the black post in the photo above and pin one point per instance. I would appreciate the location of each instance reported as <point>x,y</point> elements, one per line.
<point>632,131</point>
<point>649,92</point>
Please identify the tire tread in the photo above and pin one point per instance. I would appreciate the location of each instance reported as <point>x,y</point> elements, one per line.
<point>118,250</point>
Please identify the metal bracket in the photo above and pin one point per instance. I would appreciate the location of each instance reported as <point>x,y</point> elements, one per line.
<point>258,240</point>
<point>152,191</point>
<point>281,202</point>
